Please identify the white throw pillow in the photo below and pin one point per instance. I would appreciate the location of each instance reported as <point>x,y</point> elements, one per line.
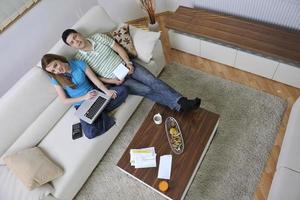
<point>13,189</point>
<point>144,42</point>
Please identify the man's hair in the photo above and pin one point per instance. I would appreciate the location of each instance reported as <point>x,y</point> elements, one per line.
<point>66,33</point>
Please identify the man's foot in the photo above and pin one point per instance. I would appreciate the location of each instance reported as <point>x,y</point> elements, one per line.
<point>186,104</point>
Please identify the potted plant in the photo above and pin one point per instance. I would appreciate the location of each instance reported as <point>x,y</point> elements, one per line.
<point>149,7</point>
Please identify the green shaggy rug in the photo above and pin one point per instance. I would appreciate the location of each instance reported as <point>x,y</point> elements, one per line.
<point>232,166</point>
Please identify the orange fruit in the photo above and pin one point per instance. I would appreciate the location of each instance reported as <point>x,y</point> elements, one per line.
<point>163,186</point>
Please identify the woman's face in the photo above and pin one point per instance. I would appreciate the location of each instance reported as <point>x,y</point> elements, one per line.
<point>57,67</point>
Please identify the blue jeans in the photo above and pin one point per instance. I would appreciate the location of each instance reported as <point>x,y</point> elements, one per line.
<point>103,121</point>
<point>143,83</point>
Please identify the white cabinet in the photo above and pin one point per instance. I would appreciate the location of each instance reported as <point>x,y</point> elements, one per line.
<point>256,64</point>
<point>288,74</point>
<point>242,60</point>
<point>218,53</point>
<point>184,43</point>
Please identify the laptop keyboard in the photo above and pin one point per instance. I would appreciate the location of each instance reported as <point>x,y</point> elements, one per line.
<point>95,107</point>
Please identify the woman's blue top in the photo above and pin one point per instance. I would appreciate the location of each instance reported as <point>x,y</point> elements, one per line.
<point>79,78</point>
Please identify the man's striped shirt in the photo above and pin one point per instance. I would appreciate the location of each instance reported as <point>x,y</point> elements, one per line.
<point>102,59</point>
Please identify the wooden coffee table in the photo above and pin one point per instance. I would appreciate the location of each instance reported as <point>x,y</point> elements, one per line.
<point>198,128</point>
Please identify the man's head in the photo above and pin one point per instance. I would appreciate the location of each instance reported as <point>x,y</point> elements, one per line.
<point>74,39</point>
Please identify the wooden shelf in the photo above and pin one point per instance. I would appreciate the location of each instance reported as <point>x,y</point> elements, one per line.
<point>273,41</point>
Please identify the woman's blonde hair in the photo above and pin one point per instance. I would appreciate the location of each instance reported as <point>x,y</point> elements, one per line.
<point>60,78</point>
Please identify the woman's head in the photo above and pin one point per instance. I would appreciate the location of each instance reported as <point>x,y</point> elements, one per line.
<point>56,66</point>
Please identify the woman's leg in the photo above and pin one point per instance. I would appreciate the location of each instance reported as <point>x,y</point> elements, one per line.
<point>98,127</point>
<point>103,121</point>
<point>121,97</point>
<point>102,124</point>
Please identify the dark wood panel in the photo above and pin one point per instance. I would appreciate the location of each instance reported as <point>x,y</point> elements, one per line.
<point>197,127</point>
<point>266,39</point>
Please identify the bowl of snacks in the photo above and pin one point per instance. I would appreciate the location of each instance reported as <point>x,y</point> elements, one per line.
<point>174,135</point>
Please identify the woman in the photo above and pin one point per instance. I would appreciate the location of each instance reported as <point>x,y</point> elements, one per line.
<point>71,80</point>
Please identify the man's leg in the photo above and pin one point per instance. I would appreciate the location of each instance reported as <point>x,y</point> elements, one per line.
<point>160,89</point>
<point>137,88</point>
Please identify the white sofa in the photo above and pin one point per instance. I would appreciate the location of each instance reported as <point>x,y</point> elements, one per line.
<point>286,181</point>
<point>32,115</point>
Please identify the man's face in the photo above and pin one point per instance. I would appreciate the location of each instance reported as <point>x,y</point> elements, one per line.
<point>76,40</point>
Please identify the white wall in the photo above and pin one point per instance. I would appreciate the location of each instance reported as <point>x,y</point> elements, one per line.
<point>23,43</point>
<point>125,10</point>
<point>172,5</point>
<point>280,12</point>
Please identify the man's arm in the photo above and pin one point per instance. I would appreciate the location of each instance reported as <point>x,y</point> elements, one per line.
<point>122,53</point>
<point>111,80</point>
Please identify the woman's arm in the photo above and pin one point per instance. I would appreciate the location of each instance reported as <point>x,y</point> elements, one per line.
<point>65,99</point>
<point>122,53</point>
<point>91,75</point>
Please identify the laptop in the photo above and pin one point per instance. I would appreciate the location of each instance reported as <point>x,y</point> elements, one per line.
<point>91,108</point>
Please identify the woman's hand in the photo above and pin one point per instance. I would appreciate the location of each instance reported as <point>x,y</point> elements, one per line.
<point>90,95</point>
<point>111,93</point>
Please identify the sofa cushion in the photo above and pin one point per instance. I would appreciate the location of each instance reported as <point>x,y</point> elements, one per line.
<point>122,36</point>
<point>32,167</point>
<point>290,149</point>
<point>22,104</point>
<point>13,189</point>
<point>95,20</point>
<point>144,42</point>
<point>285,185</point>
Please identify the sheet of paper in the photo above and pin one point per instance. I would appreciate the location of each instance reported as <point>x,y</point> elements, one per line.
<point>149,150</point>
<point>121,71</point>
<point>145,163</point>
<point>135,158</point>
<point>165,165</point>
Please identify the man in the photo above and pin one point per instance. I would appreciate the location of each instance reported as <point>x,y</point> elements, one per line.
<point>103,55</point>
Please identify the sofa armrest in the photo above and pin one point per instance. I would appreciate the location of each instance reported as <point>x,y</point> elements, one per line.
<point>285,185</point>
<point>158,55</point>
<point>290,149</point>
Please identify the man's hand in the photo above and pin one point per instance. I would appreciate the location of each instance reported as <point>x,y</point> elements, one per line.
<point>130,67</point>
<point>117,81</point>
<point>111,93</point>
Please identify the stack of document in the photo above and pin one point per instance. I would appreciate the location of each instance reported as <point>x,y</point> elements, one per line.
<point>143,158</point>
